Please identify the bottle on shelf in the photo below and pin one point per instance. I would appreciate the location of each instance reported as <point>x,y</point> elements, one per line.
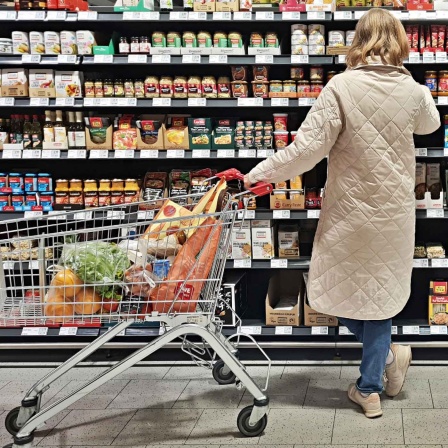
<point>60,130</point>
<point>16,130</point>
<point>166,5</point>
<point>80,131</point>
<point>48,128</point>
<point>27,133</point>
<point>71,131</point>
<point>40,4</point>
<point>25,5</point>
<point>3,130</point>
<point>36,133</point>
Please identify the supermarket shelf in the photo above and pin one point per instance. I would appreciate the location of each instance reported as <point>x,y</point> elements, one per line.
<point>302,263</point>
<point>423,214</point>
<point>17,59</point>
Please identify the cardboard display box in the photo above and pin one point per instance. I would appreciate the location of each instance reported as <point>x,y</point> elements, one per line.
<point>106,145</point>
<point>284,285</point>
<point>160,133</point>
<point>41,83</point>
<point>14,82</point>
<point>234,297</point>
<point>241,241</point>
<point>175,135</point>
<point>227,5</point>
<point>296,203</point>
<point>204,5</point>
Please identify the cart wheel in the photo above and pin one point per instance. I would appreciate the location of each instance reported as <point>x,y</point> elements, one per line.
<point>11,421</point>
<point>245,428</point>
<point>220,375</point>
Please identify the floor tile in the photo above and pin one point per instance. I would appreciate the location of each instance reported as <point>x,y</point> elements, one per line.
<point>143,394</point>
<point>420,424</point>
<point>98,399</point>
<point>24,373</point>
<point>188,373</point>
<point>439,393</point>
<point>144,373</point>
<point>276,401</point>
<point>312,372</point>
<point>403,446</point>
<point>350,373</point>
<point>93,427</point>
<point>83,373</point>
<point>207,394</point>
<point>335,446</point>
<point>219,427</point>
<point>328,394</point>
<point>159,426</point>
<point>415,394</point>
<point>258,446</point>
<point>299,426</point>
<point>427,372</point>
<point>352,427</point>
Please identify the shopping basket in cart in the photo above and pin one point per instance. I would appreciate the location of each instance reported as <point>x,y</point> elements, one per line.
<point>164,270</point>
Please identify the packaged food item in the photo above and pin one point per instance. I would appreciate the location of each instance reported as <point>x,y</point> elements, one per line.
<point>288,241</point>
<point>173,39</point>
<point>68,42</point>
<point>180,86</point>
<point>5,46</point>
<point>336,38</point>
<point>316,73</point>
<point>443,83</point>
<point>316,50</point>
<point>256,40</point>
<point>316,29</point>
<point>223,87</point>
<point>420,250</point>
<point>223,134</point>
<point>299,39</point>
<point>14,82</point>
<point>289,86</point>
<point>260,72</point>
<point>438,310</point>
<point>37,42</point>
<point>281,122</point>
<point>271,40</point>
<point>316,86</point>
<point>299,49</point>
<point>312,198</point>
<point>30,182</point>
<point>431,81</point>
<point>200,131</point>
<point>316,39</point>
<point>118,88</point>
<point>209,88</point>
<point>129,91</point>
<point>139,88</point>
<point>204,39</point>
<point>123,46</point>
<point>299,29</point>
<point>220,39</point>
<point>303,87</point>
<point>68,84</point>
<point>189,40</point>
<point>20,42</point>
<point>433,181</point>
<point>194,86</point>
<point>350,35</point>
<point>152,87</point>
<point>179,186</point>
<point>104,193</point>
<point>297,73</point>
<point>260,89</point>
<point>239,73</point>
<point>435,250</point>
<point>85,41</point>
<point>41,83</point>
<point>262,239</point>
<point>281,139</point>
<point>52,42</point>
<point>239,89</point>
<point>166,87</point>
<point>276,86</point>
<point>235,40</point>
<point>154,185</point>
<point>241,241</point>
<point>90,193</point>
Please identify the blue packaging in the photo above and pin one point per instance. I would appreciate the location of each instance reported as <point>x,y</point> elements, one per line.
<point>161,268</point>
<point>30,182</point>
<point>3,180</point>
<point>16,182</point>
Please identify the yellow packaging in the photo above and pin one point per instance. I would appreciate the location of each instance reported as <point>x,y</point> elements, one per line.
<point>438,310</point>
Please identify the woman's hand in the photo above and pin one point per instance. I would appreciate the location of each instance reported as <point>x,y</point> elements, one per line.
<point>247,183</point>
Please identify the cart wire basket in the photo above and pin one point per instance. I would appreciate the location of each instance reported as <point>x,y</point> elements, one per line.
<point>160,262</point>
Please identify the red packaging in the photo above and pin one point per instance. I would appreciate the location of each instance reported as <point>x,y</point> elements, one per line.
<point>415,37</point>
<point>434,36</point>
<point>311,198</point>
<point>428,36</point>
<point>280,122</point>
<point>408,35</point>
<point>281,139</point>
<point>441,37</point>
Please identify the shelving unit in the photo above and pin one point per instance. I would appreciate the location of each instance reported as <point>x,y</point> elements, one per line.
<point>411,324</point>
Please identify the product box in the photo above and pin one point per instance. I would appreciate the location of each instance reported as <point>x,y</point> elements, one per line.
<point>85,41</point>
<point>106,145</point>
<point>104,44</point>
<point>279,202</point>
<point>200,133</point>
<point>134,5</point>
<point>412,5</point>
<point>227,6</point>
<point>68,42</point>
<point>438,288</point>
<point>319,5</point>
<point>420,185</point>
<point>438,310</point>
<point>204,5</point>
<point>223,134</point>
<point>14,82</point>
<point>232,296</point>
<point>176,132</point>
<point>282,299</point>
<point>52,42</point>
<point>312,318</point>
<point>37,43</point>
<point>288,241</point>
<point>262,239</point>
<point>20,42</point>
<point>41,83</point>
<point>434,194</point>
<point>68,84</point>
<point>241,241</point>
<point>150,132</point>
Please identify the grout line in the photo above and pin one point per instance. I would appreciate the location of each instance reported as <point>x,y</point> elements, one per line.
<point>194,426</point>
<point>430,391</point>
<point>402,426</point>
<point>183,390</point>
<point>332,430</point>
<point>118,393</point>
<point>306,393</point>
<point>126,424</point>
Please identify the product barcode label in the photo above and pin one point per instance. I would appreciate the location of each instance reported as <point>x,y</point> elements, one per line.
<point>281,102</point>
<point>33,214</point>
<point>442,100</point>
<point>137,59</point>
<point>264,59</point>
<point>161,102</point>
<point>290,15</point>
<point>411,329</point>
<point>191,59</point>
<point>315,15</point>
<point>344,331</point>
<point>421,152</point>
<point>397,14</point>
<point>115,214</point>
<point>420,263</point>
<point>200,153</point>
<point>225,154</point>
<point>313,214</point>
<point>283,330</point>
<point>428,57</point>
<point>31,154</point>
<point>394,329</point>
<point>67,59</point>
<point>9,265</point>
<point>161,59</point>
<point>246,214</point>
<point>341,59</point>
<point>56,15</point>
<point>103,59</point>
<point>249,330</point>
<point>143,15</point>
<point>124,154</point>
<point>145,215</point>
<point>279,263</point>
<point>414,57</point>
<point>34,331</point>
<point>300,59</point>
<point>281,214</point>
<point>441,56</point>
<point>81,216</point>
<point>8,15</point>
<point>319,330</point>
<point>175,154</point>
<point>264,15</point>
<point>245,263</point>
<point>343,15</point>
<point>435,213</point>
<point>34,265</point>
<point>178,15</point>
<point>98,154</point>
<point>222,16</point>
<point>87,15</point>
<point>250,102</point>
<point>149,154</point>
<point>7,101</point>
<point>197,15</point>
<point>51,154</point>
<point>11,154</point>
<point>42,102</point>
<point>247,153</point>
<point>197,102</point>
<point>77,154</point>
<point>31,15</point>
<point>217,59</point>
<point>68,331</point>
<point>56,215</point>
<point>359,14</point>
<point>65,102</point>
<point>31,59</point>
<point>304,102</point>
<point>242,15</point>
<point>438,329</point>
<point>439,263</point>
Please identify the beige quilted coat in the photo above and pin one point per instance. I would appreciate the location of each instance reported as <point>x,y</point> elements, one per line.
<point>363,121</point>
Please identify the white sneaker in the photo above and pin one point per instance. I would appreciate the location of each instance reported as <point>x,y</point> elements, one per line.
<point>397,369</point>
<point>371,405</point>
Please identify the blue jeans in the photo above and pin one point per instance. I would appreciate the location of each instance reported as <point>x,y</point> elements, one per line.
<point>375,336</point>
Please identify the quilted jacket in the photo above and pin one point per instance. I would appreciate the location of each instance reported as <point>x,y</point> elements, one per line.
<point>364,121</point>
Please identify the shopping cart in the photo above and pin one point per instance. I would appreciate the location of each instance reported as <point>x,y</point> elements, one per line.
<point>165,270</point>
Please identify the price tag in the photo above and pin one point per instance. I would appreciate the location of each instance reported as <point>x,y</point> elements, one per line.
<point>34,265</point>
<point>417,14</point>
<point>420,263</point>
<point>290,15</point>
<point>137,59</point>
<point>56,15</point>
<point>394,329</point>
<point>251,102</point>
<point>245,263</point>
<point>414,57</point>
<point>68,331</point>
<point>34,331</point>
<point>200,153</point>
<point>197,16</point>
<point>33,214</point>
<point>103,58</point>
<point>313,214</point>
<point>439,263</point>
<point>98,154</point>
<point>143,15</point>
<point>37,102</point>
<point>442,100</point>
<point>31,15</point>
<point>11,154</point>
<point>319,330</point>
<point>315,15</point>
<point>145,215</point>
<point>359,14</point>
<point>161,59</point>
<point>197,102</point>
<point>442,15</point>
<point>67,59</point>
<point>247,153</point>
<point>175,154</point>
<point>281,102</point>
<point>222,16</point>
<point>51,154</point>
<point>343,15</point>
<point>344,331</point>
<point>438,329</point>
<point>56,215</point>
<point>441,57</point>
<point>8,15</point>
<point>217,59</point>
<point>411,329</point>
<point>242,15</point>
<point>300,59</point>
<point>435,213</point>
<point>249,330</point>
<point>281,214</point>
<point>304,102</point>
<point>126,154</point>
<point>421,152</point>
<point>115,214</point>
<point>264,59</point>
<point>149,154</point>
<point>341,59</point>
<point>279,263</point>
<point>161,102</point>
<point>264,15</point>
<point>7,101</point>
<point>428,57</point>
<point>31,59</point>
<point>283,330</point>
<point>262,153</point>
<point>445,152</point>
<point>9,265</point>
<point>83,216</point>
<point>225,154</point>
<point>77,154</point>
<point>178,15</point>
<point>87,15</point>
<point>191,59</point>
<point>31,154</point>
<point>246,214</point>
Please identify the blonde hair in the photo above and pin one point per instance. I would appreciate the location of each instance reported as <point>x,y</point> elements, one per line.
<point>379,34</point>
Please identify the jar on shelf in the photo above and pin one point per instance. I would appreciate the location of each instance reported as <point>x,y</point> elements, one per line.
<point>316,73</point>
<point>431,81</point>
<point>224,87</point>
<point>123,46</point>
<point>117,192</point>
<point>260,89</point>
<point>312,198</point>
<point>98,86</point>
<point>139,88</point>
<point>303,87</point>
<point>289,86</point>
<point>443,83</point>
<point>135,45</point>
<point>118,88</point>
<point>316,86</point>
<point>144,45</point>
<point>173,39</point>
<point>129,88</point>
<point>180,87</point>
<point>194,86</point>
<point>166,87</point>
<point>108,88</point>
<point>151,87</point>
<point>276,86</point>
<point>89,88</point>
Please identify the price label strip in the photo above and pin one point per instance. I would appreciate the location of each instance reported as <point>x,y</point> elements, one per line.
<point>34,331</point>
<point>435,213</point>
<point>247,153</point>
<point>279,263</point>
<point>283,330</point>
<point>242,264</point>
<point>242,15</point>
<point>149,154</point>
<point>175,154</point>
<point>68,331</point>
<point>225,154</point>
<point>200,153</point>
<point>420,263</point>
<point>319,331</point>
<point>249,330</point>
<point>281,214</point>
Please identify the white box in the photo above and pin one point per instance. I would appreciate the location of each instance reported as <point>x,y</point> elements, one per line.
<point>85,41</point>
<point>14,82</point>
<point>68,42</point>
<point>37,42</point>
<point>288,241</point>
<point>262,239</point>
<point>41,83</point>
<point>20,42</point>
<point>241,242</point>
<point>52,42</point>
<point>68,84</point>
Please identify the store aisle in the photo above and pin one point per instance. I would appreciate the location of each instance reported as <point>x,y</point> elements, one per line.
<point>176,405</point>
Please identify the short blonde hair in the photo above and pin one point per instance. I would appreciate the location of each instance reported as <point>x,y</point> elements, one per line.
<point>379,34</point>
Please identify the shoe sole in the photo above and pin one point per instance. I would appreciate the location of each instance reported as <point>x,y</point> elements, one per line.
<point>405,373</point>
<point>368,414</point>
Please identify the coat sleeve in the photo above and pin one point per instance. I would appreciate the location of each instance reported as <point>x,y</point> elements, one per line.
<point>313,142</point>
<point>427,119</point>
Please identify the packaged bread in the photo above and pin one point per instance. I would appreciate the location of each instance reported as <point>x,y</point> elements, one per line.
<point>420,181</point>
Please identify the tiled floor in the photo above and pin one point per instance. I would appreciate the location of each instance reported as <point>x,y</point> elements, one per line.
<point>182,405</point>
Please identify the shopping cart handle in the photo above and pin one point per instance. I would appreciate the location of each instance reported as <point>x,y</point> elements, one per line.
<point>259,189</point>
<point>230,174</point>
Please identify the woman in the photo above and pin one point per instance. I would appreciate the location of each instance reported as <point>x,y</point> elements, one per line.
<point>364,121</point>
